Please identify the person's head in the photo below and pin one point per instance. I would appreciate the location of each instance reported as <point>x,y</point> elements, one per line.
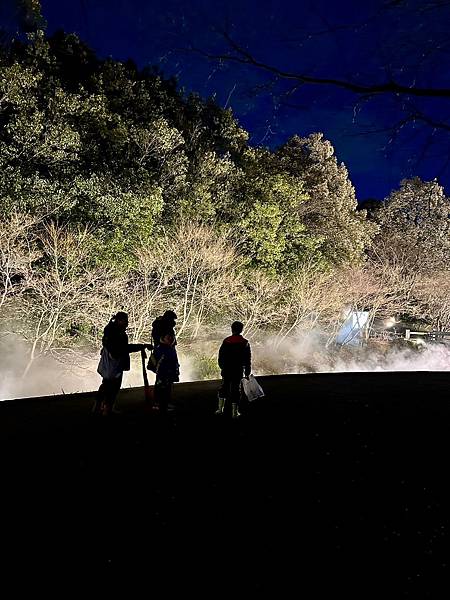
<point>121,320</point>
<point>236,328</point>
<point>169,314</point>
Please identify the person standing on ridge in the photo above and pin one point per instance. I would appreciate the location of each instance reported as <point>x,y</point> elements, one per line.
<point>235,361</point>
<point>114,360</point>
<point>164,325</point>
<point>167,371</point>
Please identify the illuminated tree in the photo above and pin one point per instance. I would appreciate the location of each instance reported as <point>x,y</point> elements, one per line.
<point>330,214</point>
<point>414,223</point>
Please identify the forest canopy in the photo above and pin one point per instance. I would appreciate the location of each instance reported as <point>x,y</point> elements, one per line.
<point>119,191</point>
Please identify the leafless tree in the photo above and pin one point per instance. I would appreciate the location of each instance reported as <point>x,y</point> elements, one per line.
<point>190,268</point>
<point>63,290</point>
<point>17,252</point>
<point>398,73</point>
<point>432,293</point>
<point>257,301</point>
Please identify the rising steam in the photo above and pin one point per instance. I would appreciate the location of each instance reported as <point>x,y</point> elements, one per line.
<point>305,353</point>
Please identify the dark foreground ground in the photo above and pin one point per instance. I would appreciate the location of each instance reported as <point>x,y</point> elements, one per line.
<point>334,485</point>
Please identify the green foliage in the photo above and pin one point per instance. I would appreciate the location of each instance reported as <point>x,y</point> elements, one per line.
<point>206,367</point>
<point>330,215</point>
<point>209,191</point>
<point>30,15</point>
<point>100,142</point>
<point>415,226</point>
<point>273,233</point>
<point>262,228</point>
<point>143,171</point>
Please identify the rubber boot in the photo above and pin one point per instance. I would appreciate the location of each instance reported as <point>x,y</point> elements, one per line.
<point>106,409</point>
<point>235,414</point>
<point>221,406</point>
<point>97,408</point>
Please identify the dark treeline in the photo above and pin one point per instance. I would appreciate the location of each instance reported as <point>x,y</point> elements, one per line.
<point>119,191</point>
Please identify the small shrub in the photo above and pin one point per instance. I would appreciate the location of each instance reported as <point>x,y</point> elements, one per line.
<point>206,367</point>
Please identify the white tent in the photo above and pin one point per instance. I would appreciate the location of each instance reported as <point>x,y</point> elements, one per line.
<point>353,330</point>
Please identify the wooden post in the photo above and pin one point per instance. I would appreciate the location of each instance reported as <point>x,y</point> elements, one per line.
<point>148,396</point>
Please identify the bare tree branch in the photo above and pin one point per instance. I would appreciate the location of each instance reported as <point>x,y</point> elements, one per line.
<point>243,56</point>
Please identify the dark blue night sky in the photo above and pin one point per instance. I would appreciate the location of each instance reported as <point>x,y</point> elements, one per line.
<point>367,42</point>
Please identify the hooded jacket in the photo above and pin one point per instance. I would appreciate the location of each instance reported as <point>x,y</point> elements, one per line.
<point>235,357</point>
<point>167,368</point>
<point>162,326</point>
<point>115,340</point>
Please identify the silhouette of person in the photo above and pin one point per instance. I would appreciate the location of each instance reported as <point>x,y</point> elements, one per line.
<point>163,325</point>
<point>235,361</point>
<point>115,359</point>
<point>167,371</point>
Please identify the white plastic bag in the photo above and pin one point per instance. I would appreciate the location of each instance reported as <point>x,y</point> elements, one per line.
<point>109,367</point>
<point>252,389</point>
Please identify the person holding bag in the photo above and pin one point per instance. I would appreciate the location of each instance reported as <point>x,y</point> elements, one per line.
<point>114,360</point>
<point>235,361</point>
<point>252,389</point>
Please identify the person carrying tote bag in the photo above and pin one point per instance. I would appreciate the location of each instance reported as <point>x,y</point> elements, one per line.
<point>251,388</point>
<point>114,360</point>
<point>235,360</point>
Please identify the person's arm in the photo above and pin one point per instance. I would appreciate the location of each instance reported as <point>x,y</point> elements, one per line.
<point>137,347</point>
<point>248,360</point>
<point>221,357</point>
<point>173,366</point>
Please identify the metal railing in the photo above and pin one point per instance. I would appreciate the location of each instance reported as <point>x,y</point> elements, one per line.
<point>410,335</point>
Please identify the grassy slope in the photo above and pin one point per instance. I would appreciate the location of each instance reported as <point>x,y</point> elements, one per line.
<point>338,480</point>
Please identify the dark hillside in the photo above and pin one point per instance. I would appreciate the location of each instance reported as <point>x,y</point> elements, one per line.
<point>334,480</point>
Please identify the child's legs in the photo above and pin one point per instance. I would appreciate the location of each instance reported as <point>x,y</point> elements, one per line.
<point>163,393</point>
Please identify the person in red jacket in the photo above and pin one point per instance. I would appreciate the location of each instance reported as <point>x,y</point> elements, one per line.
<point>235,362</point>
